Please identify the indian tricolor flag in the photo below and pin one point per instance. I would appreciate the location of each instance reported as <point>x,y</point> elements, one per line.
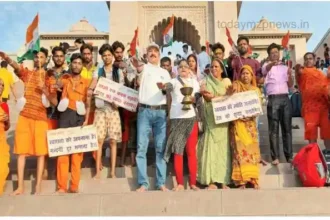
<point>168,33</point>
<point>285,45</point>
<point>32,41</point>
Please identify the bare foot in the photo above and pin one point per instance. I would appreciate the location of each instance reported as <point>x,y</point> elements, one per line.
<point>263,162</point>
<point>17,192</point>
<point>163,188</point>
<point>242,187</point>
<point>256,186</point>
<point>97,176</point>
<point>74,191</point>
<point>194,187</point>
<point>178,188</point>
<point>101,166</point>
<point>122,164</point>
<point>141,189</point>
<point>276,162</point>
<point>223,186</point>
<point>60,191</point>
<point>211,187</point>
<point>113,176</point>
<point>38,190</point>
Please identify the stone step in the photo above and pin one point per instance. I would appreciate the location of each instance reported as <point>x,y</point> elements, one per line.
<point>131,172</point>
<point>232,202</point>
<point>122,185</point>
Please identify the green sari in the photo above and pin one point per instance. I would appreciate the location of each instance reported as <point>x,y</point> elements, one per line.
<point>213,152</point>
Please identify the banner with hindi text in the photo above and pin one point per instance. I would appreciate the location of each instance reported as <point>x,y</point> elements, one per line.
<point>239,105</point>
<point>116,93</point>
<point>65,141</point>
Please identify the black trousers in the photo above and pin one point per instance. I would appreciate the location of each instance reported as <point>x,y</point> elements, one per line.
<point>70,118</point>
<point>279,112</point>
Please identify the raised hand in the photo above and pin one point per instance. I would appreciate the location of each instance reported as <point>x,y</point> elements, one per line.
<point>298,68</point>
<point>230,90</point>
<point>207,95</point>
<point>160,85</point>
<point>4,117</point>
<point>135,62</point>
<point>3,55</point>
<point>122,65</point>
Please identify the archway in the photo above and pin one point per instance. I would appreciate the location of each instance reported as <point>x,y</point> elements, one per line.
<point>184,31</point>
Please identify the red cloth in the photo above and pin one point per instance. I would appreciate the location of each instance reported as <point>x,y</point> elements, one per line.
<point>192,159</point>
<point>128,116</point>
<point>5,107</point>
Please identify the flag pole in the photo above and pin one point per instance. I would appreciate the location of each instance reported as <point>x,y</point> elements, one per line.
<point>41,75</point>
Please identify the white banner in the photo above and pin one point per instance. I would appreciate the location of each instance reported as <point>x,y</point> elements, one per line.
<point>120,95</point>
<point>65,141</point>
<point>237,106</point>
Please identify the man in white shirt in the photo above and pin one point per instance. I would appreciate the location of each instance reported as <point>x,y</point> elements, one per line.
<point>203,59</point>
<point>151,116</point>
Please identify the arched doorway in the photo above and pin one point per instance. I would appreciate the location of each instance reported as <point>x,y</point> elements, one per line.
<point>184,31</point>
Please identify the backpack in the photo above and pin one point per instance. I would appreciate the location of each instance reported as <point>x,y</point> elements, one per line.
<point>311,166</point>
<point>296,104</point>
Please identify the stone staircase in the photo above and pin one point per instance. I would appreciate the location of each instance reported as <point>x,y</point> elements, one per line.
<point>280,194</point>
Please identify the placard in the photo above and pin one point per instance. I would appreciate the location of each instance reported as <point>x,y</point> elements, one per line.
<point>116,93</point>
<point>65,141</point>
<point>237,106</point>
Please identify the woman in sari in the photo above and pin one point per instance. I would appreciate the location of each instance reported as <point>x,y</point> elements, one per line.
<point>214,156</point>
<point>244,137</point>
<point>194,67</point>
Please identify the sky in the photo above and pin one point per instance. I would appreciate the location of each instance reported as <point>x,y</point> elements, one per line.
<point>59,16</point>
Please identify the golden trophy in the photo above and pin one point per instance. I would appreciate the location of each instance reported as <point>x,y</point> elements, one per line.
<point>188,99</point>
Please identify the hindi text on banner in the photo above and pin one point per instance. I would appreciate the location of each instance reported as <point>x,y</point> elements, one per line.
<point>240,105</point>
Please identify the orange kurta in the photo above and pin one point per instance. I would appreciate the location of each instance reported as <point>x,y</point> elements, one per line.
<point>4,150</point>
<point>313,85</point>
<point>31,129</point>
<point>74,91</point>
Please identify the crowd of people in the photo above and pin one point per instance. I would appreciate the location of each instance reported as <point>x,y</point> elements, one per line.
<point>62,96</point>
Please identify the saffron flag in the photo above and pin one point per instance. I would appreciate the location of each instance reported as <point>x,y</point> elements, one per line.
<point>32,41</point>
<point>134,45</point>
<point>168,33</point>
<point>285,40</point>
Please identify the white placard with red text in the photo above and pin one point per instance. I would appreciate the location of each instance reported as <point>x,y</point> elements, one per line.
<point>116,93</point>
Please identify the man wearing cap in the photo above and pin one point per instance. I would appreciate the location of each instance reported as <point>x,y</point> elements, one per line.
<point>151,116</point>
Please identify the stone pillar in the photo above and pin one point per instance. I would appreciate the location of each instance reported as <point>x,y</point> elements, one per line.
<point>123,21</point>
<point>225,13</point>
<point>300,49</point>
